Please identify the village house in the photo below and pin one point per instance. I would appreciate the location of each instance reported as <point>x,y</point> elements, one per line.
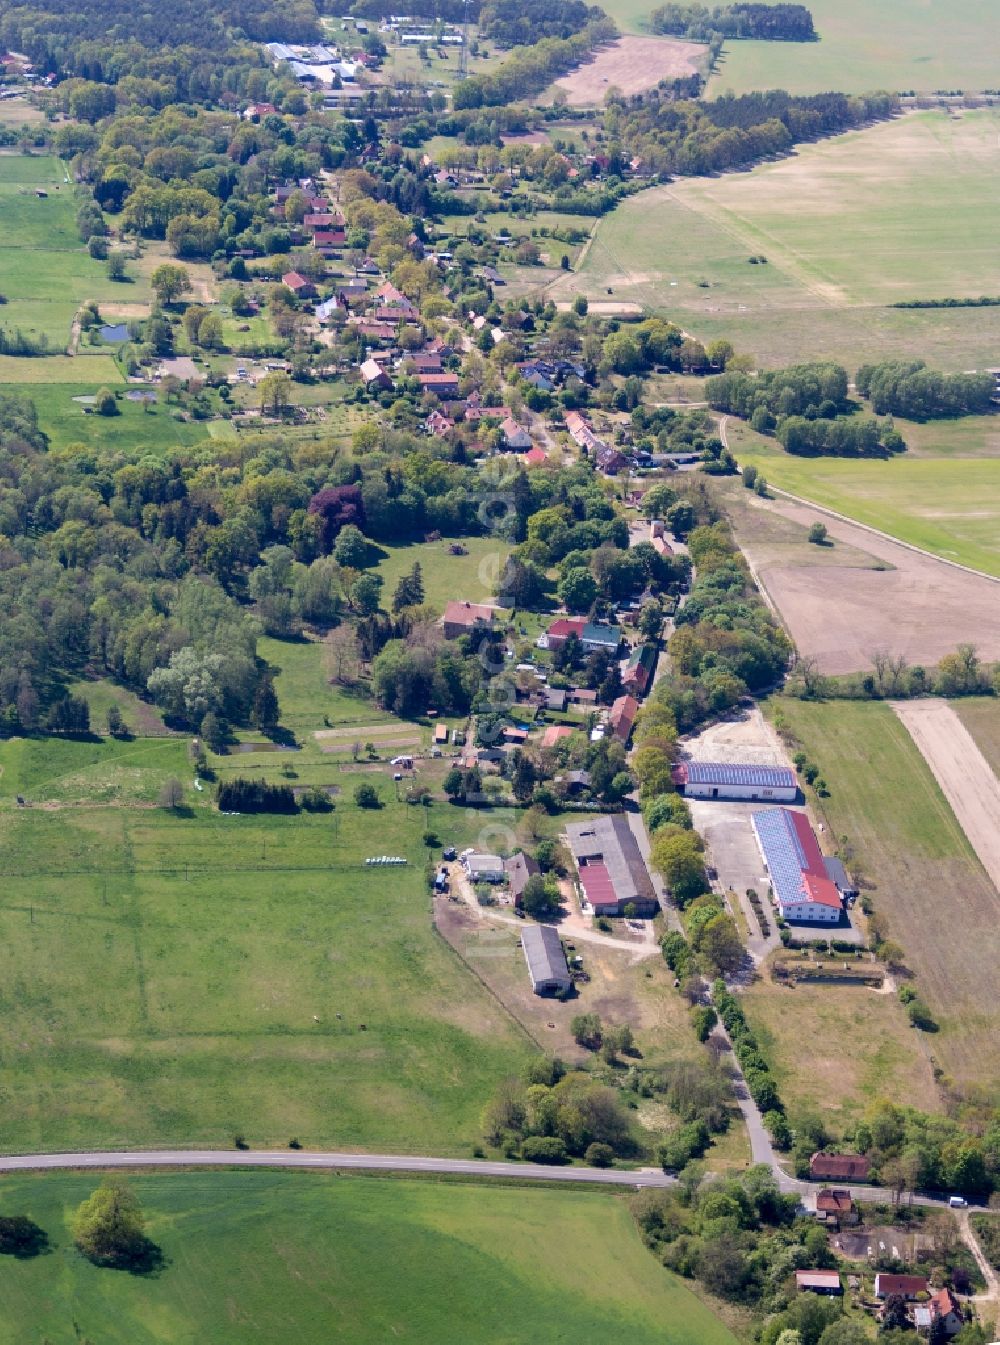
<point>839,1167</point>
<point>945,1307</point>
<point>836,1207</point>
<point>639,669</point>
<point>535,457</point>
<point>905,1286</point>
<point>621,717</point>
<point>299,285</point>
<point>438,424</point>
<point>462,617</point>
<point>484,868</point>
<point>555,733</point>
<point>441,385</point>
<point>374,376</point>
<point>519,868</point>
<point>515,439</point>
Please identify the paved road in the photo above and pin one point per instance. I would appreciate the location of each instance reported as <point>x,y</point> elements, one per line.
<point>281,1158</point>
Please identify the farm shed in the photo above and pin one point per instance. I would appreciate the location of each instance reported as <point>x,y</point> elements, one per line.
<point>611,869</point>
<point>794,863</point>
<point>546,960</point>
<point>818,1281</point>
<point>726,780</point>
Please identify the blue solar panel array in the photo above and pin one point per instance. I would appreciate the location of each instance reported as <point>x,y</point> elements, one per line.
<point>725,773</point>
<point>783,853</point>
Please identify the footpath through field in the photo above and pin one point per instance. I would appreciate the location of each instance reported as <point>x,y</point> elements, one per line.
<point>963,773</point>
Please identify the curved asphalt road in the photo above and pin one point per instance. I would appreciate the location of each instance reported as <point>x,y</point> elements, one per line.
<point>295,1158</point>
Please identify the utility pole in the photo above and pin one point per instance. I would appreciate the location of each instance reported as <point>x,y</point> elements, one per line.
<point>463,52</point>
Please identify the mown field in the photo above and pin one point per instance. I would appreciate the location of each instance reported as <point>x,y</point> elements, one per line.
<point>471,577</point>
<point>902,210</point>
<point>919,869</point>
<point>892,44</point>
<point>948,505</point>
<point>45,272</point>
<point>981,716</point>
<point>320,1259</point>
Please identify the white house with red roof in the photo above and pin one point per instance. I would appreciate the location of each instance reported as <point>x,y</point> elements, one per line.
<point>802,888</point>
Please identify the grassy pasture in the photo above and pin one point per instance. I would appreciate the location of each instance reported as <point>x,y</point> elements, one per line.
<point>470,577</point>
<point>938,44</point>
<point>948,505</point>
<point>66,422</point>
<point>94,370</point>
<point>182,978</point>
<point>902,210</point>
<point>45,271</point>
<point>920,870</point>
<point>311,1257</point>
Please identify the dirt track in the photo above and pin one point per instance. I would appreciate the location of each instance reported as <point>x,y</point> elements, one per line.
<point>631,64</point>
<point>838,614</point>
<point>963,773</point>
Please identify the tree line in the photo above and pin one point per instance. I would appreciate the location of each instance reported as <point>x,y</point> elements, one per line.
<point>776,23</point>
<point>515,23</point>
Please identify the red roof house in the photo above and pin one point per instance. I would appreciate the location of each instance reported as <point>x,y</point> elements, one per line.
<point>907,1286</point>
<point>839,1167</point>
<point>299,285</point>
<point>622,717</point>
<point>561,629</point>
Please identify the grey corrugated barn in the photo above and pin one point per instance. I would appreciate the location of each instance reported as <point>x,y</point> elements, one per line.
<point>543,952</point>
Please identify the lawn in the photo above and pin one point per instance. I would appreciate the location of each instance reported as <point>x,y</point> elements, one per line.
<point>949,506</point>
<point>94,370</point>
<point>138,425</point>
<point>45,271</point>
<point>315,1258</point>
<point>891,44</point>
<point>180,978</point>
<point>471,577</point>
<point>901,210</point>
<point>913,858</point>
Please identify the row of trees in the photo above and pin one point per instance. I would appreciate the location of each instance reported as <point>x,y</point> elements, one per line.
<point>514,23</point>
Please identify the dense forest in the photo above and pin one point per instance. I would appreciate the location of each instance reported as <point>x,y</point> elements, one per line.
<point>776,23</point>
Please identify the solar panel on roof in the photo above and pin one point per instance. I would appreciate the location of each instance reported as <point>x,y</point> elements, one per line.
<point>731,773</point>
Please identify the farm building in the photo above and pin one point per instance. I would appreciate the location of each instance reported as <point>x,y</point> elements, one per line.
<point>794,863</point>
<point>818,1281</point>
<point>907,1286</point>
<point>462,617</point>
<point>725,780</point>
<point>612,872</point>
<point>546,960</point>
<point>484,868</point>
<point>839,1167</point>
<point>519,868</point>
<point>837,874</point>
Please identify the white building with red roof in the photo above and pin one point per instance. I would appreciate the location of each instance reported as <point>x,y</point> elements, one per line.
<point>802,888</point>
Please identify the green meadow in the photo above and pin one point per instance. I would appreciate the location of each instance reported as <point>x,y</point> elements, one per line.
<point>948,505</point>
<point>902,210</point>
<point>138,425</point>
<point>328,1260</point>
<point>45,271</point>
<point>471,576</point>
<point>865,45</point>
<point>183,977</point>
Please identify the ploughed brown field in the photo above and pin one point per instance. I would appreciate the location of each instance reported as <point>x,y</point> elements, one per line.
<point>631,64</point>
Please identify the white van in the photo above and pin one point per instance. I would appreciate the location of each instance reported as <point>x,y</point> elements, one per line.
<point>958,1202</point>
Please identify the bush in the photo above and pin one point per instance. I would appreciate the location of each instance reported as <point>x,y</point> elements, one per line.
<point>599,1155</point>
<point>366,796</point>
<point>316,800</point>
<point>543,1149</point>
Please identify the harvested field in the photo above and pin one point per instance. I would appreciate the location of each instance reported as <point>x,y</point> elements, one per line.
<point>838,614</point>
<point>963,773</point>
<point>981,716</point>
<point>632,64</point>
